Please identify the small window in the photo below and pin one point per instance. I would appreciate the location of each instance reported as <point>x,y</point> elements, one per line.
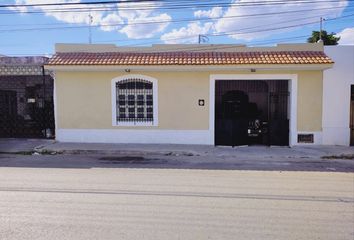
<point>134,101</point>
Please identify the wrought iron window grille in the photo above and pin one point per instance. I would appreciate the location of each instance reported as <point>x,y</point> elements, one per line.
<point>134,101</point>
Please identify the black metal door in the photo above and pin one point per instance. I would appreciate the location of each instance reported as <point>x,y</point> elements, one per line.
<point>26,107</point>
<point>231,122</point>
<point>251,112</point>
<point>352,116</point>
<point>278,118</point>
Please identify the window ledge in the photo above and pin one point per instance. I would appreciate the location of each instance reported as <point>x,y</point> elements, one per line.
<point>135,124</point>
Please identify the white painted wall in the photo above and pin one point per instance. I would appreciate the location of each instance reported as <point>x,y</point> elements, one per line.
<point>336,95</point>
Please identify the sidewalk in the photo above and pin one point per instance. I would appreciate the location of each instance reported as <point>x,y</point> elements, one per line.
<point>17,145</point>
<point>50,154</point>
<point>244,152</point>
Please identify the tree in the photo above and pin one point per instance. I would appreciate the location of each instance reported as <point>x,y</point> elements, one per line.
<point>328,39</point>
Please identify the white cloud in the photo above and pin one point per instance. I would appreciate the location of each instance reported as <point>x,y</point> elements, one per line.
<point>187,34</point>
<point>346,36</point>
<point>146,30</point>
<point>112,19</point>
<point>215,12</point>
<point>111,22</point>
<point>232,24</point>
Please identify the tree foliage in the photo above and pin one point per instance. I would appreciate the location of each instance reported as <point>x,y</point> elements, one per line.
<point>328,39</point>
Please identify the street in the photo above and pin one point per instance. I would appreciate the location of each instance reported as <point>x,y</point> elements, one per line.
<point>152,203</point>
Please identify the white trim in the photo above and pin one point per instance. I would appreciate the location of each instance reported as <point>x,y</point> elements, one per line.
<point>317,138</point>
<point>114,103</point>
<point>292,78</point>
<point>145,136</point>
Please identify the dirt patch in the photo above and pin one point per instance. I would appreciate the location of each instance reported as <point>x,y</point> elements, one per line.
<point>342,156</point>
<point>18,153</point>
<point>32,153</point>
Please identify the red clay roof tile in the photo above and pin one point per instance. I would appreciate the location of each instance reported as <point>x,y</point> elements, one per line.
<point>190,58</point>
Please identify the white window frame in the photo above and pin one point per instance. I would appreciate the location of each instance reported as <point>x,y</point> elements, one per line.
<point>115,123</point>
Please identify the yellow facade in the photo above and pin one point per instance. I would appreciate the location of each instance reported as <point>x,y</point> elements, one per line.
<point>83,99</point>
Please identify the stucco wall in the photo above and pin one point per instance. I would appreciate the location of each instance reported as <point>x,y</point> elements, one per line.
<point>336,94</point>
<point>309,101</point>
<point>84,99</point>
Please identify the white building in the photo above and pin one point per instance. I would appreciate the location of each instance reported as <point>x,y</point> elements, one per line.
<point>338,97</point>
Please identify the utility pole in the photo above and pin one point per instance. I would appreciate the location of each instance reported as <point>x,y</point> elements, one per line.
<point>90,23</point>
<point>321,40</point>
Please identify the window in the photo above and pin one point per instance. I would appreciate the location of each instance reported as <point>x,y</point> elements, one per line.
<point>135,101</point>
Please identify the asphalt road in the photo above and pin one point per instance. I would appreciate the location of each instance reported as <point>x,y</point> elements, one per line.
<point>136,203</point>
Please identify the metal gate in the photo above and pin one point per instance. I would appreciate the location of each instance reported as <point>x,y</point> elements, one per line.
<point>251,112</point>
<point>26,106</point>
<point>352,116</point>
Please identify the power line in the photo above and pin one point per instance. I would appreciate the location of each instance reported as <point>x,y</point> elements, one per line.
<point>153,1</point>
<point>269,29</point>
<point>242,33</point>
<point>159,7</point>
<point>248,32</point>
<point>269,41</point>
<point>239,31</point>
<point>168,21</point>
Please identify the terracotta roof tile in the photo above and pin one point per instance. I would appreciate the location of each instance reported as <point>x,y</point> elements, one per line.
<point>190,58</point>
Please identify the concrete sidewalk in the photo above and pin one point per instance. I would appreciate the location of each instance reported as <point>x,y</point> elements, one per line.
<point>248,152</point>
<point>17,145</point>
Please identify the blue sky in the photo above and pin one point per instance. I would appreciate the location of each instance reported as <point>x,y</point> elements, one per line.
<point>35,30</point>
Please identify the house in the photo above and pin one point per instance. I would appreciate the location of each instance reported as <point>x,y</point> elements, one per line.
<point>26,98</point>
<point>338,97</point>
<point>189,94</point>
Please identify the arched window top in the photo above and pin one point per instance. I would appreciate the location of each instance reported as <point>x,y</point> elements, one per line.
<point>134,83</point>
<point>134,100</point>
<point>133,77</point>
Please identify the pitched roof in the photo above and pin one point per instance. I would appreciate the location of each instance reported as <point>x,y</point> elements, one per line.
<point>189,58</point>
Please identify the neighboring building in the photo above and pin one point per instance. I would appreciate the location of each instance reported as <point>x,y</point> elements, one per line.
<point>26,98</point>
<point>338,97</point>
<point>189,94</point>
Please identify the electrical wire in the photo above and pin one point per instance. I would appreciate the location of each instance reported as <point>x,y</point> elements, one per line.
<point>167,21</point>
<point>162,7</point>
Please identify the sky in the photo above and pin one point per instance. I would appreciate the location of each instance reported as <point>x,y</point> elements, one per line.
<point>34,30</point>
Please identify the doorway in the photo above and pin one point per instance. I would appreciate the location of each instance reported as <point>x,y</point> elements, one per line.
<point>251,112</point>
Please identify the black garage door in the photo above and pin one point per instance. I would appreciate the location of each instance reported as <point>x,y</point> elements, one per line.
<point>26,107</point>
<point>251,112</point>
